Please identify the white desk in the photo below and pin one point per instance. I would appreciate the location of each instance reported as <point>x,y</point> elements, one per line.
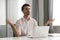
<point>26,38</point>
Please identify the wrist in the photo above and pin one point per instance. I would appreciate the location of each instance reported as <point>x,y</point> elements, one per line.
<point>46,24</point>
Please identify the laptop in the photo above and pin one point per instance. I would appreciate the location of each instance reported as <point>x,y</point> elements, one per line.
<point>40,31</point>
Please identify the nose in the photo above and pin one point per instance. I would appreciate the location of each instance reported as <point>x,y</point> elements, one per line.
<point>28,10</point>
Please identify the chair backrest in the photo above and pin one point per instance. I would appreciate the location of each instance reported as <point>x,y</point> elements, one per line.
<point>14,34</point>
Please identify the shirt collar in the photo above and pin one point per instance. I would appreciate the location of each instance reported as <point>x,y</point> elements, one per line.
<point>25,19</point>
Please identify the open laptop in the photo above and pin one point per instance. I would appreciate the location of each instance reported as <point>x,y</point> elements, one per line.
<point>40,31</point>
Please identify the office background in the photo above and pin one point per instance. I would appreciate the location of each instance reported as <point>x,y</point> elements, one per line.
<point>41,10</point>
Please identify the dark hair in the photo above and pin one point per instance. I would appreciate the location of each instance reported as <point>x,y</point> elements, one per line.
<point>24,6</point>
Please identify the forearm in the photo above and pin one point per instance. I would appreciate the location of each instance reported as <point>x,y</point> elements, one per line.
<point>46,24</point>
<point>14,29</point>
<point>49,22</point>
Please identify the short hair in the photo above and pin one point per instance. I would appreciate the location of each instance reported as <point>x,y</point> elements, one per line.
<point>24,6</point>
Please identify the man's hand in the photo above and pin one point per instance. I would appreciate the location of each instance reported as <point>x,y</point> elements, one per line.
<point>13,27</point>
<point>49,21</point>
<point>8,21</point>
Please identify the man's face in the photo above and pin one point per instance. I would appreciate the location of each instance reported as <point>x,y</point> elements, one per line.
<point>26,10</point>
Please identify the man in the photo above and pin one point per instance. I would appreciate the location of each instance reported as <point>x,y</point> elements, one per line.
<point>25,25</point>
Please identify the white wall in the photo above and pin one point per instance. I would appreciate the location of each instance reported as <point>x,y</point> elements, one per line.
<point>14,9</point>
<point>2,12</point>
<point>2,18</point>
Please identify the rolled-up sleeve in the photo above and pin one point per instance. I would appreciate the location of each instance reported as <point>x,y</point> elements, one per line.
<point>35,23</point>
<point>18,26</point>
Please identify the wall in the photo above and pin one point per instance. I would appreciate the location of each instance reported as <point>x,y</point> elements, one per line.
<point>3,31</point>
<point>2,12</point>
<point>46,10</point>
<point>35,8</point>
<point>41,12</point>
<point>2,18</point>
<point>51,14</point>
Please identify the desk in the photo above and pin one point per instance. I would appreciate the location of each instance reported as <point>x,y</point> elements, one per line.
<point>26,38</point>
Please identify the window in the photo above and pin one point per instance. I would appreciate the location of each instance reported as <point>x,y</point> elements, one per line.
<point>20,3</point>
<point>2,12</point>
<point>56,12</point>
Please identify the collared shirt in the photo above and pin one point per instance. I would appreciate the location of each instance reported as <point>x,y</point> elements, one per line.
<point>26,27</point>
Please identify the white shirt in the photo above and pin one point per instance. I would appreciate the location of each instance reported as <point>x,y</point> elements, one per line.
<point>26,27</point>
